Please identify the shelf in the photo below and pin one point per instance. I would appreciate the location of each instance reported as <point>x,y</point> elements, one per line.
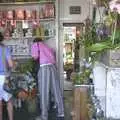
<point>47,19</point>
<point>41,20</point>
<point>12,38</point>
<point>46,37</point>
<point>23,42</point>
<point>27,3</point>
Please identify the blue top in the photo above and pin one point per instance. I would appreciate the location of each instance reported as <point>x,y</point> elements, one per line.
<point>7,56</point>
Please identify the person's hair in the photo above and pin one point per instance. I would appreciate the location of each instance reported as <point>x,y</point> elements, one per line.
<point>1,37</point>
<point>37,39</point>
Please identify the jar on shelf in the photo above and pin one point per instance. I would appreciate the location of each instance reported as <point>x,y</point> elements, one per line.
<point>19,14</point>
<point>10,14</point>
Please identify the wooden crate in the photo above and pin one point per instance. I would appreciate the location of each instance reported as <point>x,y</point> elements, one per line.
<point>80,109</point>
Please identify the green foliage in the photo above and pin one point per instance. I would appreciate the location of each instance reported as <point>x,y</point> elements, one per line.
<point>82,78</point>
<point>99,47</point>
<point>96,43</point>
<point>27,66</point>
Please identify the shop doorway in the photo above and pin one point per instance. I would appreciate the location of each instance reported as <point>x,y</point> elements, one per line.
<point>71,36</point>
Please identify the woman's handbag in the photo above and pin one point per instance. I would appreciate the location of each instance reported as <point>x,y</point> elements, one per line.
<point>8,86</point>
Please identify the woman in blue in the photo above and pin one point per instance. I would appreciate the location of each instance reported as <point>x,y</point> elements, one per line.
<point>9,63</point>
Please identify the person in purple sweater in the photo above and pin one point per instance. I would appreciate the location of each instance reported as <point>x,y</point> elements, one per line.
<point>48,80</point>
<point>3,72</point>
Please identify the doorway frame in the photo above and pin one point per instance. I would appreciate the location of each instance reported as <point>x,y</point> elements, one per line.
<point>60,46</point>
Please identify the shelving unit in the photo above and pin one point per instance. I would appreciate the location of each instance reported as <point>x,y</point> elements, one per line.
<point>19,33</point>
<point>20,46</point>
<point>26,3</point>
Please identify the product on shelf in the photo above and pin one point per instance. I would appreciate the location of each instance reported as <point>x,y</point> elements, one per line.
<point>19,14</point>
<point>24,21</point>
<point>13,23</point>
<point>41,12</point>
<point>7,34</point>
<point>49,10</point>
<point>42,31</point>
<point>28,33</point>
<point>46,11</point>
<point>28,14</point>
<point>4,14</point>
<point>0,14</point>
<point>34,14</point>
<point>10,15</point>
<point>3,22</point>
<point>52,10</point>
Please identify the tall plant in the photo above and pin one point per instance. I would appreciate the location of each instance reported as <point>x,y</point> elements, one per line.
<point>100,37</point>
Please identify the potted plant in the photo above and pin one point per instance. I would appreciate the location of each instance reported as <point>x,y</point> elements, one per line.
<point>97,40</point>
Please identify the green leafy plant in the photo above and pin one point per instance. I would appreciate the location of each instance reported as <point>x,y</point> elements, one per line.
<point>98,38</point>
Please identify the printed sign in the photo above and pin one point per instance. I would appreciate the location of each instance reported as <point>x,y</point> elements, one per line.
<point>75,10</point>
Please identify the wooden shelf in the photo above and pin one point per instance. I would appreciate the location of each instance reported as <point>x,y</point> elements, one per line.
<point>12,38</point>
<point>41,20</point>
<point>27,3</point>
<point>15,41</point>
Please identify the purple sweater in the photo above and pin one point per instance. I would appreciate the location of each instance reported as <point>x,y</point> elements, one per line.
<point>46,55</point>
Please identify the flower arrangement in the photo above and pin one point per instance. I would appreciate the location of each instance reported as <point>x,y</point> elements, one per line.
<point>26,80</point>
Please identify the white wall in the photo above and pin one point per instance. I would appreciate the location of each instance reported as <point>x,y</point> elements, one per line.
<point>100,14</point>
<point>64,10</point>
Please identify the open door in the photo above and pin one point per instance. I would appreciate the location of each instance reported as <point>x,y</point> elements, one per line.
<point>72,32</point>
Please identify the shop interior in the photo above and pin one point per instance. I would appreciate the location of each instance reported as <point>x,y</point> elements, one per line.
<point>71,47</point>
<point>90,54</point>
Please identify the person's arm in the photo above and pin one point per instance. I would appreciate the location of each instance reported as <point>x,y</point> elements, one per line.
<point>9,58</point>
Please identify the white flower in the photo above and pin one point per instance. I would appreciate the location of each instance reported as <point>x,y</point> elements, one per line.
<point>115,5</point>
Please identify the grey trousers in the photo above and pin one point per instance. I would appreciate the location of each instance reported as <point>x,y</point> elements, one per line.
<point>48,81</point>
